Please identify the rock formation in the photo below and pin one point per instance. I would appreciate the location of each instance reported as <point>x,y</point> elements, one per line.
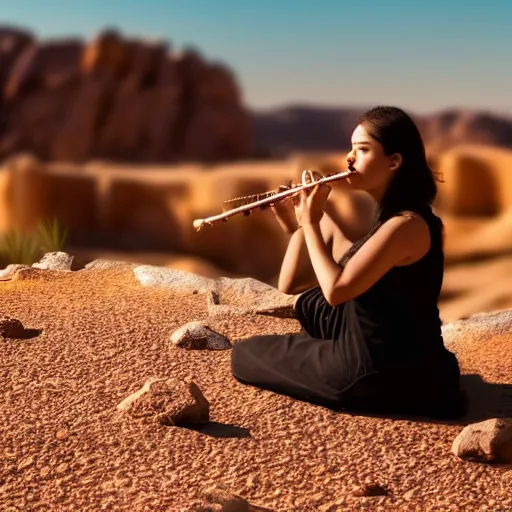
<point>117,98</point>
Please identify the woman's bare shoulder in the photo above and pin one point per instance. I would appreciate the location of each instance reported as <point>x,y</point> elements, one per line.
<point>412,231</point>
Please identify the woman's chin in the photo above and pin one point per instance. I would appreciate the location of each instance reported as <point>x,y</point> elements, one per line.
<point>353,182</point>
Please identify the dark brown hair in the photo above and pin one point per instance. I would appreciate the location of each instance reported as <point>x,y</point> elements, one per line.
<point>413,187</point>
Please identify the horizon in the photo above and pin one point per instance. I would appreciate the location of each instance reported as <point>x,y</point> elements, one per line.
<point>446,66</point>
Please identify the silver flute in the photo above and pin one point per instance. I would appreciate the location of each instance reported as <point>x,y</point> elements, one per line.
<point>270,198</point>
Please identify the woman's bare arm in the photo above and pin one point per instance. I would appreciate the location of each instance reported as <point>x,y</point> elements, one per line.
<point>297,274</point>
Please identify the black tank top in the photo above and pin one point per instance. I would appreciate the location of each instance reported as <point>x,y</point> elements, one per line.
<point>395,323</point>
<point>399,314</point>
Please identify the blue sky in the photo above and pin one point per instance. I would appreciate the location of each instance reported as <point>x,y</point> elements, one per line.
<point>423,56</point>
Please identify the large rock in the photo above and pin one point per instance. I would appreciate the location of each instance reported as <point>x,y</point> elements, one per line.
<point>55,261</point>
<point>149,210</point>
<point>117,98</point>
<point>160,277</point>
<point>104,264</point>
<point>169,402</point>
<point>248,295</point>
<point>478,327</point>
<point>47,65</point>
<point>487,441</point>
<point>8,272</point>
<point>12,43</point>
<point>224,295</point>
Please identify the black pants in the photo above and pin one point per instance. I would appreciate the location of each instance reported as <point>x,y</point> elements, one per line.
<point>305,368</point>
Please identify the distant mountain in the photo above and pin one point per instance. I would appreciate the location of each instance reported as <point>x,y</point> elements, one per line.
<point>278,132</point>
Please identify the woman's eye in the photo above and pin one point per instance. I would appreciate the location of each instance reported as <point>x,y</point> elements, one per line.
<point>363,149</point>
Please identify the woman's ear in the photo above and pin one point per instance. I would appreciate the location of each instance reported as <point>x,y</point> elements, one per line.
<point>395,162</point>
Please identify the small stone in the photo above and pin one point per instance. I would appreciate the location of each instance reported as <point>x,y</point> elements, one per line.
<point>61,468</point>
<point>230,501</point>
<point>198,336</point>
<point>45,471</point>
<point>11,328</point>
<point>26,463</point>
<point>409,495</point>
<point>371,490</point>
<point>61,434</point>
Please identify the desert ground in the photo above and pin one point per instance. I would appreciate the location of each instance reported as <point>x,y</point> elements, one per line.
<point>96,335</point>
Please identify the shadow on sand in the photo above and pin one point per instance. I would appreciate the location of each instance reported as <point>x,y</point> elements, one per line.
<point>215,429</point>
<point>480,401</point>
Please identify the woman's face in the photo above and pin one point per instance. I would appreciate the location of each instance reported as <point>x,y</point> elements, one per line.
<point>374,169</point>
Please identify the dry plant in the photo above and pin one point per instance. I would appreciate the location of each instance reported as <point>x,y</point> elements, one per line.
<point>27,247</point>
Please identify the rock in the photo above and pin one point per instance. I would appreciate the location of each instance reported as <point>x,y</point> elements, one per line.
<point>55,261</point>
<point>480,325</point>
<point>61,434</point>
<point>251,295</point>
<point>225,295</point>
<point>230,501</point>
<point>486,441</point>
<point>44,66</point>
<point>12,43</point>
<point>30,273</point>
<point>102,264</point>
<point>107,53</point>
<point>226,124</point>
<point>371,489</point>
<point>117,98</point>
<point>11,328</point>
<point>161,277</point>
<point>198,336</point>
<point>270,307</point>
<point>169,402</point>
<point>9,271</point>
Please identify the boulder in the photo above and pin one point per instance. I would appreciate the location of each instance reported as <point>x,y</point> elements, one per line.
<point>486,441</point>
<point>55,261</point>
<point>169,402</point>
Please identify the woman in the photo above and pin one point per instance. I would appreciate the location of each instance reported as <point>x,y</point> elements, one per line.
<point>371,333</point>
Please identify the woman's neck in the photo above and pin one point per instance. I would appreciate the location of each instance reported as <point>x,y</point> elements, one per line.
<point>378,195</point>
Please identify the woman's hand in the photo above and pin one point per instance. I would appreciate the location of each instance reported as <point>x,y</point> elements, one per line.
<point>310,204</point>
<point>285,215</point>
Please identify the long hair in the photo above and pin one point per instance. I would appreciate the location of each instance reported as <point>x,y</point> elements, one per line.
<point>413,186</point>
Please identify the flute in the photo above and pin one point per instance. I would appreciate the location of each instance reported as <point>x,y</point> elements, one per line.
<point>272,197</point>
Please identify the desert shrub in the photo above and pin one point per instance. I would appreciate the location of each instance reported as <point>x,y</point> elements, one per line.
<point>27,247</point>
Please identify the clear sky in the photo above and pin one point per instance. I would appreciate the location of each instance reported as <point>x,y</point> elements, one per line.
<point>423,56</point>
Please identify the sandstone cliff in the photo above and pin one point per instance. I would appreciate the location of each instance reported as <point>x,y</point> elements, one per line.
<point>117,98</point>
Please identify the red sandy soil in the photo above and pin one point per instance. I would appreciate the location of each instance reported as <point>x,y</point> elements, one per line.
<point>64,448</point>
